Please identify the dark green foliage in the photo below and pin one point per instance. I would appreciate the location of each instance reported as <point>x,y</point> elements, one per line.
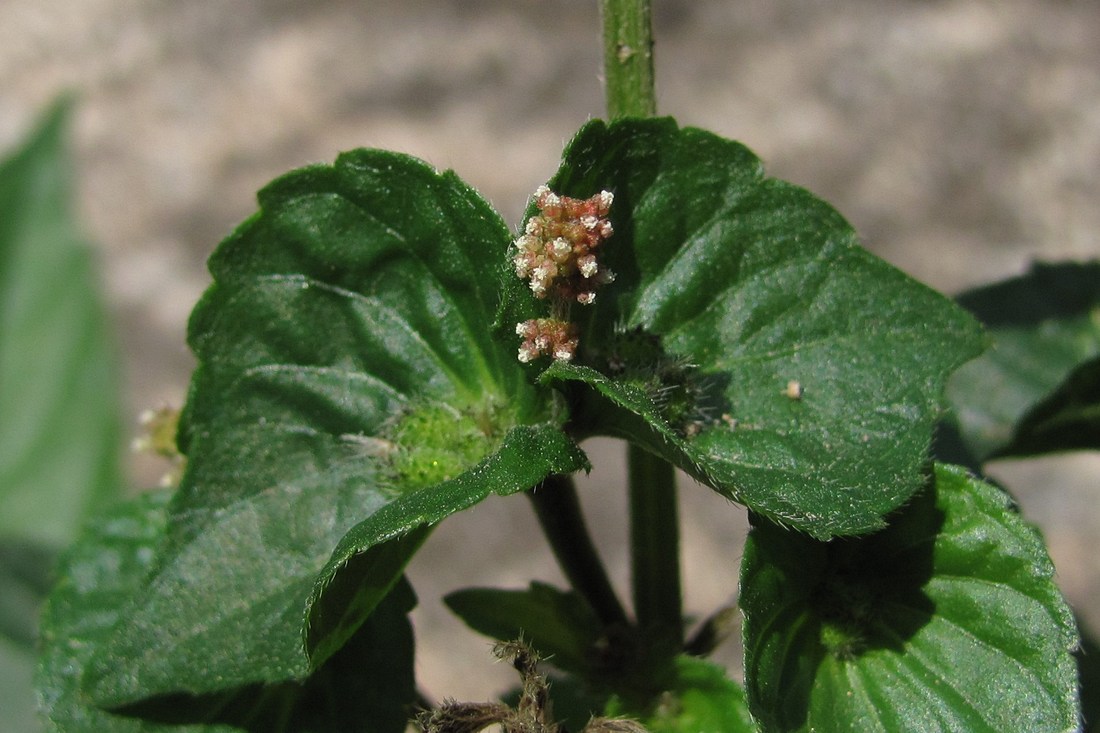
<point>58,402</point>
<point>559,626</point>
<point>947,620</point>
<point>59,440</point>
<point>358,383</point>
<point>698,697</point>
<point>371,678</point>
<point>750,284</point>
<point>355,303</point>
<point>1067,419</point>
<point>1036,390</point>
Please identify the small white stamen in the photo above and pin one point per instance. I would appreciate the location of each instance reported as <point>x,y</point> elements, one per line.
<point>546,198</point>
<point>588,266</point>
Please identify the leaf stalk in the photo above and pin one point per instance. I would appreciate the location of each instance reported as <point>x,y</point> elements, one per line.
<point>559,513</point>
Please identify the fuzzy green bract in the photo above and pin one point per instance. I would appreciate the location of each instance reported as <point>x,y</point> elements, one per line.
<point>353,309</point>
<point>816,369</point>
<point>948,620</point>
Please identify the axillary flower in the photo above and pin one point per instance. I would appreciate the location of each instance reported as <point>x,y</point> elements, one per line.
<point>557,255</point>
<point>159,427</point>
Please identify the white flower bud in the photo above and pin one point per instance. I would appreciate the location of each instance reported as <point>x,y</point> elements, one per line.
<point>606,199</point>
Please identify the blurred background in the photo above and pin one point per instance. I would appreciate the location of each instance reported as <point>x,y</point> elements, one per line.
<point>960,137</point>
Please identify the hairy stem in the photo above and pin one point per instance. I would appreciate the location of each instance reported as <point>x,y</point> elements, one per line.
<point>655,547</point>
<point>628,58</point>
<point>559,513</point>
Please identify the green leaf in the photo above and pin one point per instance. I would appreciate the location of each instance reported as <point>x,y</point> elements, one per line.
<point>694,695</point>
<point>58,423</point>
<point>748,338</point>
<point>349,392</point>
<point>947,620</point>
<point>59,433</point>
<point>560,626</point>
<point>1038,388</point>
<point>1068,418</point>
<point>700,697</point>
<point>371,679</point>
<point>25,578</point>
<point>526,456</point>
<point>16,699</point>
<point>1088,674</point>
<point>96,577</point>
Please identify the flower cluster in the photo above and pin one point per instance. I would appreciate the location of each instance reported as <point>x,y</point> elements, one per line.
<point>551,336</point>
<point>159,427</point>
<point>557,256</point>
<point>557,252</point>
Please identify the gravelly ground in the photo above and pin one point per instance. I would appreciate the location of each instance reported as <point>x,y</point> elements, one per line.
<point>961,137</point>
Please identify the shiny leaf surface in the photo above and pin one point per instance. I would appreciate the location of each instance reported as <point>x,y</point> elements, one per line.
<point>947,620</point>
<point>59,428</point>
<point>1037,389</point>
<point>747,337</point>
<point>371,678</point>
<point>349,391</point>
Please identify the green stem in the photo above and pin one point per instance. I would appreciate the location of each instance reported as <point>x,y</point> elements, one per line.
<point>559,513</point>
<point>655,546</point>
<point>628,58</point>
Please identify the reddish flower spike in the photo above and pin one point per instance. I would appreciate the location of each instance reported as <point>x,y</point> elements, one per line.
<point>547,336</point>
<point>557,252</point>
<point>557,255</point>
